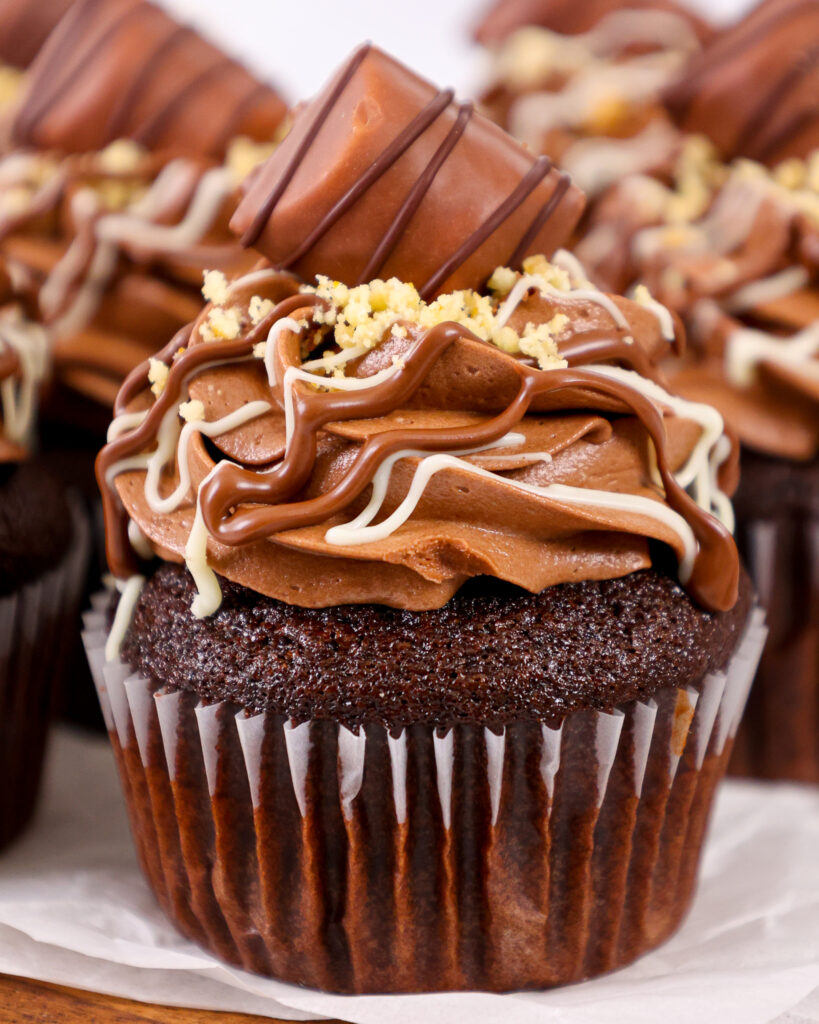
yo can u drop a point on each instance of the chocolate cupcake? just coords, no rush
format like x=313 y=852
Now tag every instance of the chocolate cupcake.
x=584 y=83
x=438 y=662
x=43 y=547
x=733 y=249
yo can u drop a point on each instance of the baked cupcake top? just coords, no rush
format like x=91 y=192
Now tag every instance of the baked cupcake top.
x=125 y=69
x=328 y=443
x=753 y=88
x=735 y=250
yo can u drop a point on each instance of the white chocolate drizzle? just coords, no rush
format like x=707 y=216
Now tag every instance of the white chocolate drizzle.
x=746 y=348
x=18 y=393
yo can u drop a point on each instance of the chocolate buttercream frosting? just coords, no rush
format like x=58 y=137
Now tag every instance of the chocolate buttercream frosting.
x=733 y=250
x=378 y=157
x=124 y=69
x=360 y=445
x=754 y=88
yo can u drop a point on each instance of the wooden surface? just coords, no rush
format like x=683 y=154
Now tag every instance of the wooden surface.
x=35 y=1002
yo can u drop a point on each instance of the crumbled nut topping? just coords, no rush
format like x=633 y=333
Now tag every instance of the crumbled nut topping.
x=244 y=155
x=121 y=157
x=222 y=324
x=215 y=287
x=192 y=411
x=157 y=375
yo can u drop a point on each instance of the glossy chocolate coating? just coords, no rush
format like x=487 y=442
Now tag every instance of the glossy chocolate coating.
x=755 y=90
x=382 y=175
x=24 y=27
x=123 y=68
x=567 y=16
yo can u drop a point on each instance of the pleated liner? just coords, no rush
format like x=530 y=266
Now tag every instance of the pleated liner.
x=458 y=859
x=779 y=738
x=38 y=626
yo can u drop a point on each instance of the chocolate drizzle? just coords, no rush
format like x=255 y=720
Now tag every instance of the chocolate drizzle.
x=541 y=167
x=241 y=505
x=380 y=166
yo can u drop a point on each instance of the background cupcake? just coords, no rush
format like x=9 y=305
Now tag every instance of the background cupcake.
x=412 y=643
x=732 y=248
x=116 y=189
x=43 y=548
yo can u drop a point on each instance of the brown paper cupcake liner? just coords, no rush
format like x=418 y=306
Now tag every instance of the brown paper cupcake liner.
x=426 y=859
x=38 y=624
x=779 y=738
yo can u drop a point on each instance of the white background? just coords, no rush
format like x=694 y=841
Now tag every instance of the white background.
x=297 y=43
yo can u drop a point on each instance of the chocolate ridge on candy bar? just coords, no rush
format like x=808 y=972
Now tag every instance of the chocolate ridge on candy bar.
x=383 y=175
x=753 y=90
x=24 y=27
x=124 y=68
x=569 y=17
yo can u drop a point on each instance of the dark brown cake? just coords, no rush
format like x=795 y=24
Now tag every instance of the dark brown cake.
x=600 y=644
x=42 y=560
x=426 y=708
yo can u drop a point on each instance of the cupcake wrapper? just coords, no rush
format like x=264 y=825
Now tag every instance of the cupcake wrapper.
x=428 y=859
x=779 y=738
x=37 y=629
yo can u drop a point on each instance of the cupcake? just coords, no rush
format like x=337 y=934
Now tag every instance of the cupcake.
x=43 y=547
x=431 y=636
x=733 y=249
x=584 y=83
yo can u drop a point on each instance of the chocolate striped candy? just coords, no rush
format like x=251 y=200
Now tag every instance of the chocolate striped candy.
x=384 y=175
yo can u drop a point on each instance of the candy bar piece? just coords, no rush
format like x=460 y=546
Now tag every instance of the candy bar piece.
x=568 y=17
x=755 y=89
x=382 y=175
x=24 y=27
x=123 y=68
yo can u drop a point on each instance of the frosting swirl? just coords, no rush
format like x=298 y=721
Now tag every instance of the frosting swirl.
x=328 y=445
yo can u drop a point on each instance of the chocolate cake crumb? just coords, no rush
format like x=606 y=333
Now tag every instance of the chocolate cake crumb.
x=493 y=654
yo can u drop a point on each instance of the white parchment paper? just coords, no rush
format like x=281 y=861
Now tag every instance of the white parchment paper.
x=75 y=910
